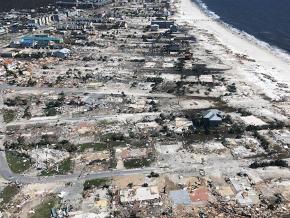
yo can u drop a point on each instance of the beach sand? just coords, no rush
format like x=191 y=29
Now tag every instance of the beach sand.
x=234 y=41
x=262 y=77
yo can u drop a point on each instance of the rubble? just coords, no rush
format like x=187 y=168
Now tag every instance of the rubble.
x=122 y=109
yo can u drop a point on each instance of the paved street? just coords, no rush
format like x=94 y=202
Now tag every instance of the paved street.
x=86 y=90
x=67 y=119
x=72 y=177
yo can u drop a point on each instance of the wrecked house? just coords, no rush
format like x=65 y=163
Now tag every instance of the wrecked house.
x=62 y=53
x=245 y=194
x=174 y=47
x=139 y=194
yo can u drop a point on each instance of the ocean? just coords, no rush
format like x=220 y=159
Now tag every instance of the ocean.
x=6 y=5
x=266 y=20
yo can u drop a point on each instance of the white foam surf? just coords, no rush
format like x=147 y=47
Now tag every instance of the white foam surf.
x=271 y=48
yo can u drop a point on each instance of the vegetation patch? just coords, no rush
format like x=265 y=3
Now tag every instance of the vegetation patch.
x=95 y=146
x=106 y=122
x=67 y=146
x=279 y=163
x=18 y=162
x=113 y=160
x=9 y=115
x=88 y=184
x=50 y=112
x=7 y=194
x=137 y=163
x=139 y=143
x=113 y=137
x=61 y=168
x=43 y=209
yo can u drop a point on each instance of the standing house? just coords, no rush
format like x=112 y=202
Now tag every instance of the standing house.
x=212 y=117
x=41 y=40
x=27 y=43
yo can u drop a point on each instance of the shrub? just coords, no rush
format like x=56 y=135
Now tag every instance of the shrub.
x=95 y=183
x=279 y=163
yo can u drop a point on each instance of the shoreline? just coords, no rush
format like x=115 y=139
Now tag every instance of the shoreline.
x=190 y=12
x=273 y=49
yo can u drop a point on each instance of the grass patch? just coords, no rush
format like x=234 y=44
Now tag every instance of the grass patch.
x=95 y=146
x=18 y=162
x=117 y=144
x=67 y=146
x=137 y=163
x=43 y=209
x=7 y=194
x=9 y=115
x=106 y=122
x=139 y=143
x=88 y=184
x=112 y=161
x=49 y=112
x=64 y=167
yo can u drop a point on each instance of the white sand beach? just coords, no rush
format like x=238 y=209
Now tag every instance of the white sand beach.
x=262 y=77
x=236 y=43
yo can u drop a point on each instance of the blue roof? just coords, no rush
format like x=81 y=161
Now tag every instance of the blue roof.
x=41 y=38
x=27 y=42
x=212 y=114
x=180 y=197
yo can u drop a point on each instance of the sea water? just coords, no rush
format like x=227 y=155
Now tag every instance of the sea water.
x=268 y=21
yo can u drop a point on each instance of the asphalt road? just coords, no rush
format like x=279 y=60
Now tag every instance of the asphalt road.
x=67 y=119
x=6 y=173
x=100 y=93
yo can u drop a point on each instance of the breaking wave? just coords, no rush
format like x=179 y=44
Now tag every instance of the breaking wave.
x=204 y=7
x=271 y=48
